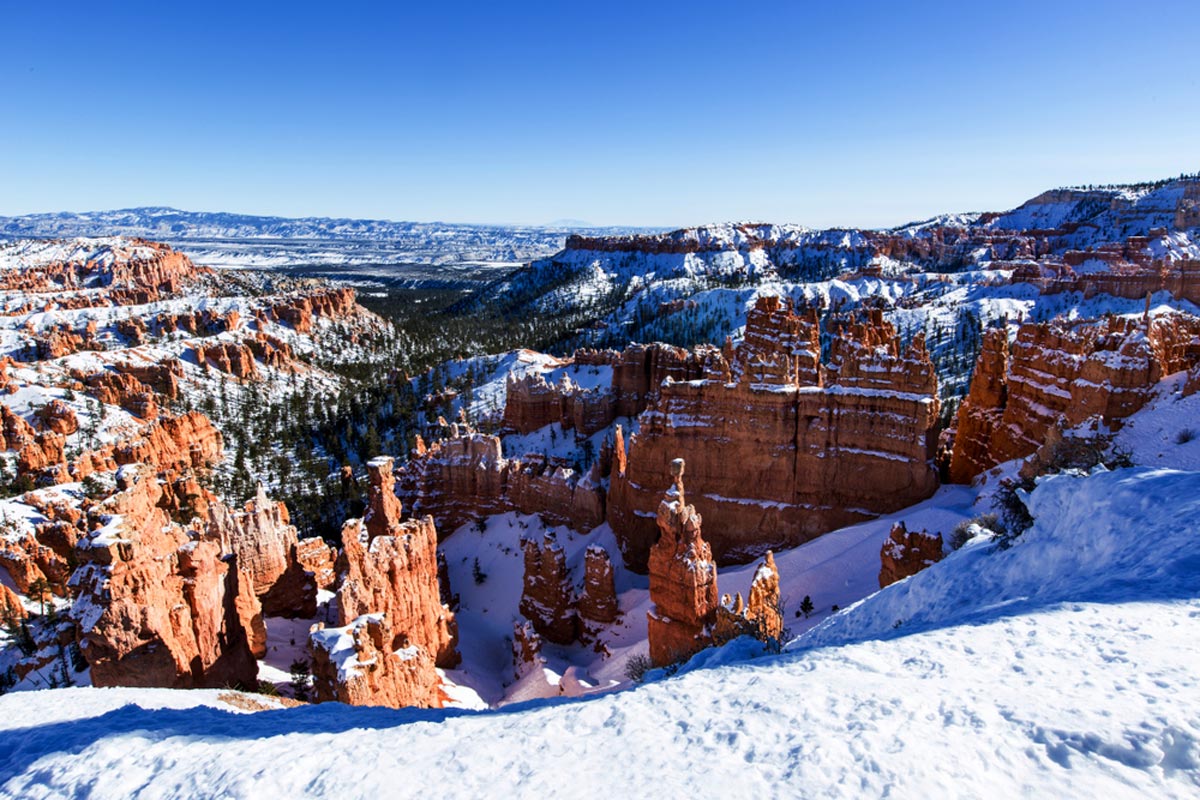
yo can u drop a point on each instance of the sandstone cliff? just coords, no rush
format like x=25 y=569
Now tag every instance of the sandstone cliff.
x=1063 y=373
x=781 y=447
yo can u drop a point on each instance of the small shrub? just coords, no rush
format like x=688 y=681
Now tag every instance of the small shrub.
x=1014 y=515
x=96 y=488
x=78 y=661
x=806 y=606
x=301 y=680
x=969 y=528
x=478 y=574
x=636 y=667
x=1185 y=435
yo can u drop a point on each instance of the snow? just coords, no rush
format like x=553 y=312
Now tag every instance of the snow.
x=1166 y=432
x=1061 y=667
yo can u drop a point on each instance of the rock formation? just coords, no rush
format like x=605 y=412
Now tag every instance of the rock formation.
x=532 y=403
x=393 y=627
x=360 y=664
x=547 y=596
x=598 y=601
x=906 y=553
x=1063 y=373
x=266 y=548
x=683 y=580
x=527 y=649
x=158 y=604
x=761 y=617
x=782 y=447
x=466 y=477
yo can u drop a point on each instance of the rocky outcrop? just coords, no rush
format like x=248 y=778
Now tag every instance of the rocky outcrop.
x=527 y=649
x=554 y=491
x=683 y=580
x=641 y=370
x=982 y=410
x=547 y=595
x=298 y=312
x=232 y=358
x=15 y=432
x=266 y=547
x=532 y=403
x=393 y=627
x=906 y=553
x=360 y=665
x=781 y=447
x=187 y=441
x=124 y=390
x=1061 y=374
x=457 y=480
x=465 y=477
x=158 y=604
x=760 y=617
x=58 y=417
x=318 y=559
x=598 y=601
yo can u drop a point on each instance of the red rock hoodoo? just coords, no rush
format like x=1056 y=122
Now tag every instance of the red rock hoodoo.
x=598 y=601
x=683 y=580
x=394 y=628
x=266 y=548
x=547 y=596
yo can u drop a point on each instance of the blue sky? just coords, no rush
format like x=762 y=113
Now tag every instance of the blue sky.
x=616 y=113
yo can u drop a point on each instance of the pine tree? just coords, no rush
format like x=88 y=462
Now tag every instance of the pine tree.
x=806 y=606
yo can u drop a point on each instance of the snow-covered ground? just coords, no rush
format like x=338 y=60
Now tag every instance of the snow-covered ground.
x=1061 y=667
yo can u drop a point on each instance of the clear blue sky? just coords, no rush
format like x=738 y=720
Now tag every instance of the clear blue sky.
x=831 y=113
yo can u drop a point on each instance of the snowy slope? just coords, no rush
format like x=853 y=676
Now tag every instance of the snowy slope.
x=1062 y=667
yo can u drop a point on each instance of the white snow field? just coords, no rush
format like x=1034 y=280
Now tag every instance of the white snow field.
x=1064 y=666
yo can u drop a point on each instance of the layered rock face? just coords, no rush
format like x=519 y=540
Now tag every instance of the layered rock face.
x=298 y=312
x=266 y=546
x=1063 y=373
x=547 y=595
x=465 y=477
x=393 y=627
x=683 y=580
x=783 y=448
x=906 y=553
x=641 y=370
x=1128 y=272
x=532 y=403
x=158 y=604
x=456 y=480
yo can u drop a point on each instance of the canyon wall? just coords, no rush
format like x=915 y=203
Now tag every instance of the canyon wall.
x=783 y=448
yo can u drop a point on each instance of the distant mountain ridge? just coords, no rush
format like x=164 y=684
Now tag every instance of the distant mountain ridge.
x=334 y=245
x=164 y=221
